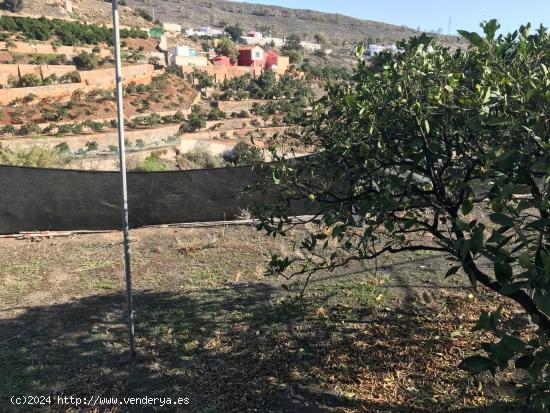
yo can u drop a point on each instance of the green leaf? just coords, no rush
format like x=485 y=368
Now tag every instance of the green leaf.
x=503 y=272
x=501 y=219
x=542 y=302
x=525 y=261
x=452 y=271
x=467 y=206
x=490 y=28
x=525 y=362
x=474 y=38
x=427 y=126
x=478 y=364
x=513 y=343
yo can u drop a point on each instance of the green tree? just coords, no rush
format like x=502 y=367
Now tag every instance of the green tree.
x=85 y=61
x=195 y=121
x=235 y=32
x=14 y=5
x=294 y=56
x=29 y=80
x=293 y=42
x=91 y=146
x=227 y=47
x=245 y=154
x=428 y=134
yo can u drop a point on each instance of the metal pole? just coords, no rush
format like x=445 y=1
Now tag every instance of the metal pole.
x=122 y=157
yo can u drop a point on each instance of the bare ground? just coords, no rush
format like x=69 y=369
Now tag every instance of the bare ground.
x=211 y=327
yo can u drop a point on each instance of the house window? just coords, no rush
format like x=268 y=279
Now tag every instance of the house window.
x=257 y=55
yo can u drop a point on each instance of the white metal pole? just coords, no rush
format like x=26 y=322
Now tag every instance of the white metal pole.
x=122 y=157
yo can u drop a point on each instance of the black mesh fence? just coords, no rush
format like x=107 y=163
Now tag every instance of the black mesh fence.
x=33 y=199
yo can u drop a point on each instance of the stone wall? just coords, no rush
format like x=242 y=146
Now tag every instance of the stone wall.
x=92 y=79
x=231 y=133
x=158 y=136
x=221 y=73
x=105 y=78
x=230 y=106
x=103 y=139
x=7 y=71
x=42 y=71
x=63 y=91
x=47 y=48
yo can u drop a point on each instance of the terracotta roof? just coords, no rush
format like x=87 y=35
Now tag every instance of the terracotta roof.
x=248 y=47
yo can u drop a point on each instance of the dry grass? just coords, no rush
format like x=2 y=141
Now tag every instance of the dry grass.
x=212 y=328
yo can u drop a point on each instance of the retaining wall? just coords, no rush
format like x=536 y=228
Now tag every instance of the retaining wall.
x=58 y=91
x=42 y=71
x=47 y=48
x=230 y=106
x=92 y=79
x=148 y=136
x=103 y=139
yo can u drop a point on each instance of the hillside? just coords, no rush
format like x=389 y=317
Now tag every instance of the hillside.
x=88 y=11
x=285 y=21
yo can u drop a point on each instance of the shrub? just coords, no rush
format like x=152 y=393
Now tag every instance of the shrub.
x=140 y=144
x=62 y=147
x=9 y=130
x=144 y=13
x=91 y=146
x=13 y=5
x=245 y=154
x=199 y=157
x=37 y=157
x=64 y=128
x=51 y=79
x=85 y=61
x=71 y=77
x=195 y=121
x=29 y=80
x=67 y=32
x=216 y=114
x=153 y=163
x=29 y=129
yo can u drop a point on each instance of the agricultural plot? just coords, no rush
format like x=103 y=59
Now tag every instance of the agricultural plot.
x=211 y=327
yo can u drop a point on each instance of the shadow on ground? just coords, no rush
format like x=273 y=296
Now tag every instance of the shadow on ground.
x=229 y=349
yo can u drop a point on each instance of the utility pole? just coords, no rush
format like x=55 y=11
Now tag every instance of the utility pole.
x=122 y=157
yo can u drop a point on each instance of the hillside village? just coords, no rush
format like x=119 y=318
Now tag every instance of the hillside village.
x=56 y=73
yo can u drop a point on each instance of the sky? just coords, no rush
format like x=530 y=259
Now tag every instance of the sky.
x=432 y=14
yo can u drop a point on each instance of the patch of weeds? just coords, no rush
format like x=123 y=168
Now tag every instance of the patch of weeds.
x=211 y=277
x=105 y=284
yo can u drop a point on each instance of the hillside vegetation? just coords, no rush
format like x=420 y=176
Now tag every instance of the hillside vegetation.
x=284 y=21
x=89 y=11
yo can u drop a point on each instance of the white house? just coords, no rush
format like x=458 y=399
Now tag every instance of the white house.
x=375 y=49
x=171 y=27
x=263 y=41
x=188 y=56
x=310 y=46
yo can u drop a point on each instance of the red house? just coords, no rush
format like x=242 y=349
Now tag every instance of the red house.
x=271 y=59
x=251 y=56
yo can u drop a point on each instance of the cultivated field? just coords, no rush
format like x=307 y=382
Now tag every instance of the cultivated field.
x=211 y=327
